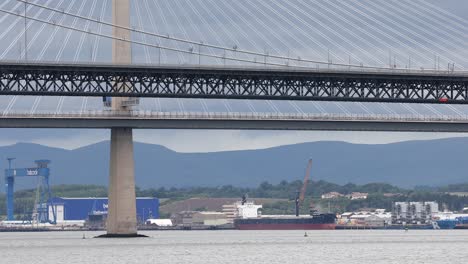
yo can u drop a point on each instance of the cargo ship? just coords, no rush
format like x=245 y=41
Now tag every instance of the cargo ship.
x=446 y=223
x=462 y=223
x=452 y=221
x=286 y=222
x=248 y=218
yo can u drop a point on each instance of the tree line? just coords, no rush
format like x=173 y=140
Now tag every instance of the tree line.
x=24 y=199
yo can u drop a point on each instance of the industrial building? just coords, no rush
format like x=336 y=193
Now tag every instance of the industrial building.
x=414 y=212
x=194 y=218
x=78 y=209
x=377 y=218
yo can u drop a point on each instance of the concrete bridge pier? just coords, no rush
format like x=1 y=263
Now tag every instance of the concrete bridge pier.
x=121 y=218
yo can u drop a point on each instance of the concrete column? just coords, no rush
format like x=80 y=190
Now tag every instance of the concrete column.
x=121 y=50
x=121 y=218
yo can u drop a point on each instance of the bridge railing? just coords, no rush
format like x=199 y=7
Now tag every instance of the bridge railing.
x=98 y=114
x=287 y=68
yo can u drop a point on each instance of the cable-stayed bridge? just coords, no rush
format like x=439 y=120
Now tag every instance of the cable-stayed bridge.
x=373 y=56
x=364 y=36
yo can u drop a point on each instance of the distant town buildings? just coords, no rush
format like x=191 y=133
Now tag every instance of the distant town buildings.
x=358 y=196
x=392 y=194
x=332 y=195
x=352 y=196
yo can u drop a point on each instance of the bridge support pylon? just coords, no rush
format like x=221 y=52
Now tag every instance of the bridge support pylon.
x=121 y=218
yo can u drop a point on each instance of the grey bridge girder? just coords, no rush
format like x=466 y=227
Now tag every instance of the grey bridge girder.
x=233 y=124
x=232 y=83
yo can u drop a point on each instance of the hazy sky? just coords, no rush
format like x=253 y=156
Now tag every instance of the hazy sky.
x=201 y=141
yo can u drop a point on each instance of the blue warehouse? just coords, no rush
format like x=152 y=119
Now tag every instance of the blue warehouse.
x=75 y=209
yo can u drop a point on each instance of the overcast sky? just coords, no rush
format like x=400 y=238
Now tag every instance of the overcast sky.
x=202 y=141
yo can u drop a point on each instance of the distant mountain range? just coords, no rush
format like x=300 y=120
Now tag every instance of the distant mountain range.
x=405 y=164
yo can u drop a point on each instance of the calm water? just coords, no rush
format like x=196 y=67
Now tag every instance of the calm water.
x=353 y=246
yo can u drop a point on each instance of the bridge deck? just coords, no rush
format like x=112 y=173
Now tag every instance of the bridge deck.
x=46 y=79
x=245 y=121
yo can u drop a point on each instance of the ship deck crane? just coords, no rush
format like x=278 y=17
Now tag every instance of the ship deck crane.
x=300 y=196
x=41 y=209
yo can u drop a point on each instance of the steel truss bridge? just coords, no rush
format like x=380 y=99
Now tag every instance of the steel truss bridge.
x=48 y=79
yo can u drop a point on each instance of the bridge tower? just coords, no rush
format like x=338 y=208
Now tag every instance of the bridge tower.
x=121 y=220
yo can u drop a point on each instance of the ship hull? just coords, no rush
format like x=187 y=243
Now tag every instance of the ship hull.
x=314 y=222
x=286 y=226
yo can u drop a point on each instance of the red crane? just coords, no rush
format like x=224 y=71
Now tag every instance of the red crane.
x=300 y=197
x=305 y=182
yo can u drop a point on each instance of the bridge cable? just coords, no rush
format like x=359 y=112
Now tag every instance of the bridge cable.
x=142 y=36
x=348 y=16
x=432 y=21
x=437 y=11
x=83 y=36
x=14 y=99
x=10 y=105
x=198 y=43
x=153 y=25
x=455 y=110
x=78 y=49
x=433 y=110
x=19 y=36
x=196 y=28
x=165 y=22
x=394 y=28
x=410 y=109
x=305 y=34
x=325 y=26
x=245 y=11
x=390 y=29
x=162 y=47
x=388 y=109
x=415 y=25
x=281 y=65
x=54 y=33
x=173 y=38
x=11 y=25
x=333 y=19
x=267 y=47
x=344 y=109
x=275 y=23
x=38 y=33
x=95 y=50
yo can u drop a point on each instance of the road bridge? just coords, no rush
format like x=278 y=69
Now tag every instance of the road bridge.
x=238 y=121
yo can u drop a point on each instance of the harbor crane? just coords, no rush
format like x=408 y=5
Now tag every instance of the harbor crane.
x=43 y=193
x=300 y=196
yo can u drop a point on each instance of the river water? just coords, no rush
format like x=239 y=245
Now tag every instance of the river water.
x=339 y=246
